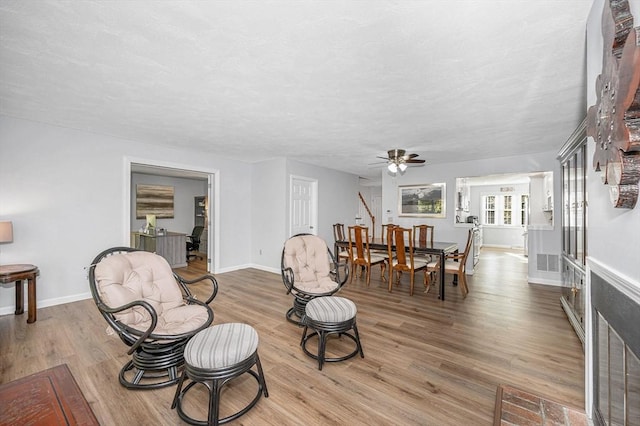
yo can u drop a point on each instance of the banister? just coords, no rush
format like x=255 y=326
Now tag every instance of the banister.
x=371 y=216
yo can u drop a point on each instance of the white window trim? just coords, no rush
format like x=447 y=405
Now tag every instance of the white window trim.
x=499 y=209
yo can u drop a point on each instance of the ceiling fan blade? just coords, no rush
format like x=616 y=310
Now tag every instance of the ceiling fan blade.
x=414 y=161
x=409 y=156
x=384 y=158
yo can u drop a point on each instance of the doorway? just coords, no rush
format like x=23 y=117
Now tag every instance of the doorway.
x=210 y=179
x=303 y=202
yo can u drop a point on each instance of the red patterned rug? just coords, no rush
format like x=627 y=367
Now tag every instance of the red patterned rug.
x=50 y=397
x=521 y=408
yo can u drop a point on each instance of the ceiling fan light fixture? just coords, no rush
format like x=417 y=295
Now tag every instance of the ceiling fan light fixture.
x=392 y=167
x=402 y=167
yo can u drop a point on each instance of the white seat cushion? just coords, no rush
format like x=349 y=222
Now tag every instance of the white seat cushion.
x=221 y=346
x=331 y=309
x=375 y=257
x=450 y=266
x=417 y=263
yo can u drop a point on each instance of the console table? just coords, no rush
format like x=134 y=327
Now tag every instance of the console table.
x=18 y=273
x=170 y=245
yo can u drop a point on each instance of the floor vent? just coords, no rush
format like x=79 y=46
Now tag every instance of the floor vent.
x=548 y=262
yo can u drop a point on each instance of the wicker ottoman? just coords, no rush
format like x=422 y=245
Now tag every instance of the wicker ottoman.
x=326 y=316
x=214 y=357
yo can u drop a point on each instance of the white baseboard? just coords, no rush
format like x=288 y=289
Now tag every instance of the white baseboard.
x=249 y=265
x=544 y=281
x=48 y=302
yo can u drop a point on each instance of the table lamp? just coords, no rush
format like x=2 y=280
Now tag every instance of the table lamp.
x=6 y=232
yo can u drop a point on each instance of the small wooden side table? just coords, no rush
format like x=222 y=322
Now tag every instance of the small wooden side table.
x=18 y=273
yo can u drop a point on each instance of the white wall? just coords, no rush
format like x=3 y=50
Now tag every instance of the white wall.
x=337 y=196
x=446 y=230
x=337 y=202
x=269 y=212
x=613 y=234
x=64 y=190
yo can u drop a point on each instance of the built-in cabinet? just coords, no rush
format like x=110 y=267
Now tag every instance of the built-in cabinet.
x=573 y=159
x=200 y=219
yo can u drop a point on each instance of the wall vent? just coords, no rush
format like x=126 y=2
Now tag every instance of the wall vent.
x=548 y=262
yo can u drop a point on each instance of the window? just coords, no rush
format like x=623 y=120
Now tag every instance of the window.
x=524 y=210
x=506 y=212
x=490 y=210
x=500 y=209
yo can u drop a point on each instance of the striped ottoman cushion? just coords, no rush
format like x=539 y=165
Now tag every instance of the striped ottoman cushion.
x=331 y=309
x=221 y=346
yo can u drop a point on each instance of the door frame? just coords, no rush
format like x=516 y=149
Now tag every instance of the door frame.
x=212 y=176
x=314 y=202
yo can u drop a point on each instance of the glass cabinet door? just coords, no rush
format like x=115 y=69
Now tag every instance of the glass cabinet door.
x=580 y=205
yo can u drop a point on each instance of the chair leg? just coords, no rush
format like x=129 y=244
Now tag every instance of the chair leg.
x=463 y=285
x=357 y=335
x=368 y=275
x=322 y=346
x=411 y=275
x=426 y=281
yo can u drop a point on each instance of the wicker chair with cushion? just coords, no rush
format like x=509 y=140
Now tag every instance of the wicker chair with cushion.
x=151 y=309
x=309 y=270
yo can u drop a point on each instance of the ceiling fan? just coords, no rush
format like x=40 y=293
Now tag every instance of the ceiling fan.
x=398 y=159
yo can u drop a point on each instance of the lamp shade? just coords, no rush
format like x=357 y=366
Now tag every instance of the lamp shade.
x=6 y=232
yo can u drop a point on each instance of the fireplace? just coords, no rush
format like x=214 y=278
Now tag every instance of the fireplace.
x=615 y=351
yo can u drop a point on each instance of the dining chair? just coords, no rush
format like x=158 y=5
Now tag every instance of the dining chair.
x=403 y=259
x=423 y=235
x=338 y=235
x=361 y=255
x=386 y=234
x=455 y=264
x=385 y=231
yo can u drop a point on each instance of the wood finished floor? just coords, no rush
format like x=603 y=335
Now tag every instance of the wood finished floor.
x=427 y=362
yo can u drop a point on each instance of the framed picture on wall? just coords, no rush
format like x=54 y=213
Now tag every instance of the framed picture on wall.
x=427 y=200
x=154 y=200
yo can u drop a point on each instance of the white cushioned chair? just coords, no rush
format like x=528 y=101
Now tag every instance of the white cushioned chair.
x=309 y=270
x=151 y=309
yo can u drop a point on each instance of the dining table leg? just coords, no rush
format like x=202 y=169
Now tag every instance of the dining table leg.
x=441 y=295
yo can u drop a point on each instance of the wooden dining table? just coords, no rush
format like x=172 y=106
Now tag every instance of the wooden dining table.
x=437 y=248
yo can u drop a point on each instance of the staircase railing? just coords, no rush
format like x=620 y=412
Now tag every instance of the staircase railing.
x=371 y=216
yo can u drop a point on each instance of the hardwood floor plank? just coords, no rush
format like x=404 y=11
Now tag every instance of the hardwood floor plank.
x=427 y=362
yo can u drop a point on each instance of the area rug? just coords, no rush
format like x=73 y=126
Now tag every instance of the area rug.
x=517 y=407
x=50 y=397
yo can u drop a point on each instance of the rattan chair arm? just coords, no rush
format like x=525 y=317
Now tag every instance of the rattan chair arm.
x=288 y=278
x=345 y=275
x=146 y=305
x=189 y=296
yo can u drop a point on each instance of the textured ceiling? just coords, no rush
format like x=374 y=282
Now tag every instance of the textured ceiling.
x=331 y=83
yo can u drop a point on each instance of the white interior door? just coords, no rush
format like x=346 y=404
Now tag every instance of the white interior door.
x=303 y=203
